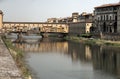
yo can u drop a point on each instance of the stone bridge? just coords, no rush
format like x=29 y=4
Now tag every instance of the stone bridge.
x=36 y=26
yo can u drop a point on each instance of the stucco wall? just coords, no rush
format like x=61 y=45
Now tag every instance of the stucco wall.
x=79 y=28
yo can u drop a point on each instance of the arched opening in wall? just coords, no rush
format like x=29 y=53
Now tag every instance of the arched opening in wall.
x=39 y=29
x=116 y=17
x=104 y=27
x=15 y=28
x=92 y=29
x=107 y=29
x=115 y=27
x=110 y=29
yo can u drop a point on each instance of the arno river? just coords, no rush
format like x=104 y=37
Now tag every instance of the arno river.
x=59 y=59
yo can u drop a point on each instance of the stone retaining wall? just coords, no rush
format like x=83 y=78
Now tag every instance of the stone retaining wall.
x=8 y=68
x=113 y=37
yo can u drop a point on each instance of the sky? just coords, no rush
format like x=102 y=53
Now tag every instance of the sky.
x=40 y=10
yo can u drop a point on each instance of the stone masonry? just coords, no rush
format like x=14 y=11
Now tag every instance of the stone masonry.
x=8 y=68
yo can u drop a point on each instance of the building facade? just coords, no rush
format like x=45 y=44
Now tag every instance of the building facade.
x=1 y=19
x=107 y=18
x=85 y=17
x=52 y=20
x=73 y=18
x=79 y=28
x=76 y=17
x=81 y=24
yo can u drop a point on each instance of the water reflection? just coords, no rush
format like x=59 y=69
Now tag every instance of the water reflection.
x=79 y=51
x=45 y=45
x=106 y=58
x=103 y=59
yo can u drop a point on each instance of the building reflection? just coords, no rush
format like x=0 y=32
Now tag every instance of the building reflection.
x=102 y=57
x=79 y=51
x=75 y=50
x=44 y=47
x=106 y=58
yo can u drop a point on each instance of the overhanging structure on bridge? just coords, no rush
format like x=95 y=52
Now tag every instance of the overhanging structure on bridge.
x=38 y=26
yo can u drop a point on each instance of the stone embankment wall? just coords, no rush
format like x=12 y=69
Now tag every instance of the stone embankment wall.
x=113 y=37
x=8 y=68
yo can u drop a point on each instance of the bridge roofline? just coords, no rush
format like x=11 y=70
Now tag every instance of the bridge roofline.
x=31 y=23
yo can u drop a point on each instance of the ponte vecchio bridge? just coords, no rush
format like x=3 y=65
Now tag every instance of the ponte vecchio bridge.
x=36 y=26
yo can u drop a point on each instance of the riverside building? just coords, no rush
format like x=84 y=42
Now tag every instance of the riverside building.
x=82 y=25
x=107 y=20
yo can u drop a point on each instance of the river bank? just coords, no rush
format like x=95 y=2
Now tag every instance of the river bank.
x=18 y=57
x=92 y=41
x=8 y=68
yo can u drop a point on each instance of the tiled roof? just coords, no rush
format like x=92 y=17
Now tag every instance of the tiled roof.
x=108 y=5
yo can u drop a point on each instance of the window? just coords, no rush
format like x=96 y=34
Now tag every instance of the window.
x=101 y=17
x=115 y=8
x=98 y=18
x=106 y=17
x=104 y=27
x=110 y=17
x=116 y=17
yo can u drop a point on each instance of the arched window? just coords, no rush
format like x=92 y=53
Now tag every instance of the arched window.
x=104 y=27
x=106 y=17
x=101 y=18
x=116 y=17
x=110 y=17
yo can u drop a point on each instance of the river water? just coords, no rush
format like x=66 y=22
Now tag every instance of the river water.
x=59 y=59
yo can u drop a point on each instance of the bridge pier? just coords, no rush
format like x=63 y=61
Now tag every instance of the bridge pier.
x=19 y=38
x=53 y=34
x=44 y=35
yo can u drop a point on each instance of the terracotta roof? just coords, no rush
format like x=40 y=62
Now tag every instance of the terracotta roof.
x=108 y=5
x=1 y=12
